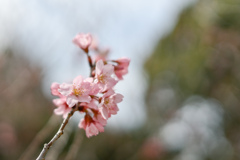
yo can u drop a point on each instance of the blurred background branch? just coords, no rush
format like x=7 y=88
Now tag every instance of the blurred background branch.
x=39 y=139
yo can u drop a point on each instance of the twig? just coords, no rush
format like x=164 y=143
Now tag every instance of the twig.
x=90 y=64
x=56 y=136
x=60 y=144
x=47 y=146
x=42 y=134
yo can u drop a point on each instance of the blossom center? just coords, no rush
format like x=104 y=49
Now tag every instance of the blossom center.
x=78 y=91
x=106 y=101
x=102 y=78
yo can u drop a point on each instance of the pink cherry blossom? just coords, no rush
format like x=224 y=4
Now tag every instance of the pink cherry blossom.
x=92 y=127
x=101 y=55
x=63 y=108
x=92 y=105
x=94 y=44
x=108 y=105
x=94 y=86
x=104 y=76
x=99 y=118
x=98 y=57
x=93 y=96
x=54 y=89
x=76 y=92
x=83 y=41
x=122 y=67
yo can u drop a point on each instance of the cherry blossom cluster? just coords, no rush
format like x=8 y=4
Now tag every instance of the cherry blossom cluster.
x=93 y=96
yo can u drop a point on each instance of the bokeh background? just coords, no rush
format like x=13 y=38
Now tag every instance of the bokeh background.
x=181 y=96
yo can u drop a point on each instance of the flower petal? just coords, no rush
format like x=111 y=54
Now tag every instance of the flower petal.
x=77 y=81
x=65 y=89
x=99 y=67
x=104 y=112
x=71 y=101
x=83 y=98
x=99 y=127
x=91 y=130
x=118 y=98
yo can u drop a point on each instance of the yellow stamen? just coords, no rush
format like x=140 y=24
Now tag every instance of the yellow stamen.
x=106 y=101
x=101 y=78
x=78 y=92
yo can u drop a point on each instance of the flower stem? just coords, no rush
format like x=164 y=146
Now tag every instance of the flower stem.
x=90 y=65
x=56 y=136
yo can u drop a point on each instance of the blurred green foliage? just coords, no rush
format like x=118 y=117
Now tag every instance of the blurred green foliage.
x=199 y=54
x=201 y=57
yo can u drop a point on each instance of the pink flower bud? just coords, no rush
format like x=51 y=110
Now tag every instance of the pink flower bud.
x=102 y=55
x=54 y=89
x=63 y=108
x=103 y=76
x=91 y=126
x=83 y=41
x=122 y=67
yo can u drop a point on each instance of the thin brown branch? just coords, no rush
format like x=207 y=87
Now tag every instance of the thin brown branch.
x=47 y=146
x=90 y=64
x=60 y=144
x=39 y=138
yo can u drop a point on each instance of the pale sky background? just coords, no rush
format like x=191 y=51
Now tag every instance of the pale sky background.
x=44 y=29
